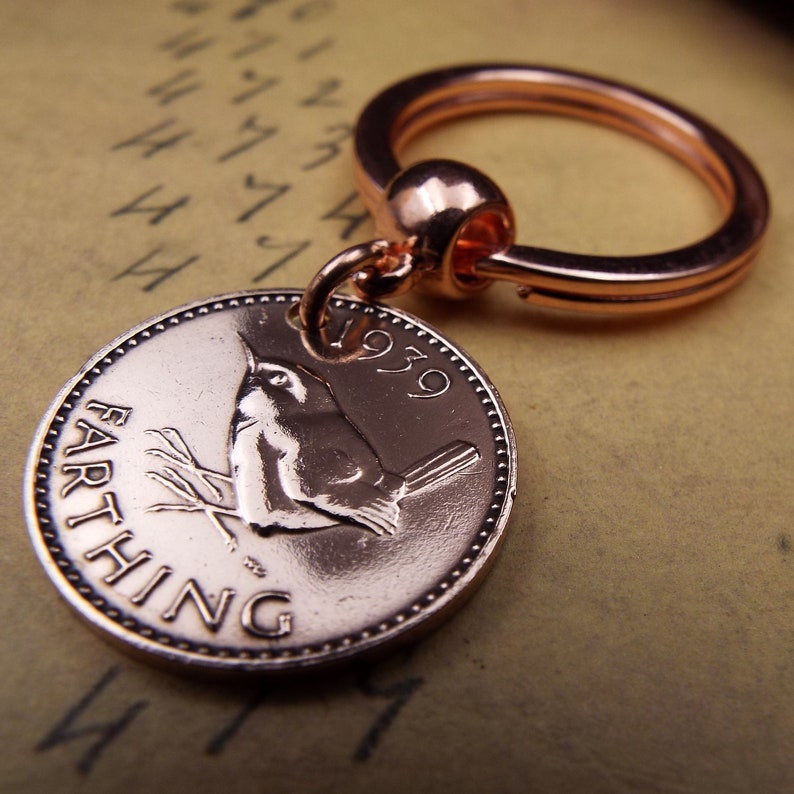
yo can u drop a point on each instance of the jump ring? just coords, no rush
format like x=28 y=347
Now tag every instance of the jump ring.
x=336 y=272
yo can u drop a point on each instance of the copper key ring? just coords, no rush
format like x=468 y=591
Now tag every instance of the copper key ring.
x=477 y=248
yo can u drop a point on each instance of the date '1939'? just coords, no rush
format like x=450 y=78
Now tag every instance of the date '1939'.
x=378 y=343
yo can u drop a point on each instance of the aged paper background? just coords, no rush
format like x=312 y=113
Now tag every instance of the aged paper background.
x=636 y=632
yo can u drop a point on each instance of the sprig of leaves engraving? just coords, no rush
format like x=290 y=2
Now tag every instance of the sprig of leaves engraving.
x=188 y=488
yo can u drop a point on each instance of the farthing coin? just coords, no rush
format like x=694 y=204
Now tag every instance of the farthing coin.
x=210 y=490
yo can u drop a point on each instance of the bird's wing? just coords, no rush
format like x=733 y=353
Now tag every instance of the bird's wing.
x=327 y=468
x=359 y=503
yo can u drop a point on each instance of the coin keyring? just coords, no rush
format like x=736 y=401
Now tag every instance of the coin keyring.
x=281 y=479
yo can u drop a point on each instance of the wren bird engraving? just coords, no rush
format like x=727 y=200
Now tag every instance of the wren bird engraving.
x=298 y=462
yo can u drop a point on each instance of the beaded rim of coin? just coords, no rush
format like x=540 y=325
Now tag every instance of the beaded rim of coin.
x=97 y=604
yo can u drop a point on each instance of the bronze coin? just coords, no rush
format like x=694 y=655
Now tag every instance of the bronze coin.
x=210 y=490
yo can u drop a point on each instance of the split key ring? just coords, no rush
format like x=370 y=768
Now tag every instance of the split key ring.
x=458 y=225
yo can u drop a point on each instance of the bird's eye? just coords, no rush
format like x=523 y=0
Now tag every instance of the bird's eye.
x=278 y=379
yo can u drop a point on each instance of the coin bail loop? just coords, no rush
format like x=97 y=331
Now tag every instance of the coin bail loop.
x=314 y=301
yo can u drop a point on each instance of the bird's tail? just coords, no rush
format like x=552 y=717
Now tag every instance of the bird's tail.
x=439 y=465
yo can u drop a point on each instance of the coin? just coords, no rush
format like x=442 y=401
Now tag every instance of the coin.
x=210 y=490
